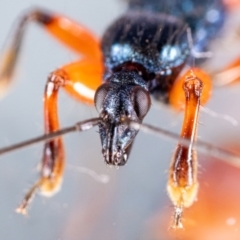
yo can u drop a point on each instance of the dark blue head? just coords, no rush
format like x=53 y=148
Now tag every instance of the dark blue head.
x=124 y=96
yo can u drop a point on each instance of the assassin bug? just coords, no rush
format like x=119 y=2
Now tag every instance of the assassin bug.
x=139 y=60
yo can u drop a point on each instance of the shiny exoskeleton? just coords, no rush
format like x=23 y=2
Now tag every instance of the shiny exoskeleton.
x=147 y=51
x=144 y=52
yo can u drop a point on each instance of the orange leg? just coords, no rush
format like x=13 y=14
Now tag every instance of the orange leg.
x=70 y=33
x=80 y=79
x=72 y=78
x=182 y=184
x=229 y=75
x=231 y=5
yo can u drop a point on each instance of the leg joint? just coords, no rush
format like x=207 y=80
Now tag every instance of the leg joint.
x=58 y=78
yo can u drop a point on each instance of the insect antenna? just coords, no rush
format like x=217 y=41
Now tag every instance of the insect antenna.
x=79 y=126
x=227 y=156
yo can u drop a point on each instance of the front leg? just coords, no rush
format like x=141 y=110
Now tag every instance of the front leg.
x=183 y=184
x=53 y=153
x=73 y=78
x=52 y=165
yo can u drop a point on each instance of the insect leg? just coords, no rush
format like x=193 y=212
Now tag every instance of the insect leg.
x=73 y=78
x=177 y=97
x=229 y=75
x=72 y=34
x=182 y=184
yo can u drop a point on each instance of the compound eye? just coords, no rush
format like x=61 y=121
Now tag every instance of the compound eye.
x=141 y=101
x=100 y=95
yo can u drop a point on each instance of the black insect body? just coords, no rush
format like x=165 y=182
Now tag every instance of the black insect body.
x=142 y=54
x=151 y=45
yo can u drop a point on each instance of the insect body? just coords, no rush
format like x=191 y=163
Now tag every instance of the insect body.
x=141 y=54
x=138 y=62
